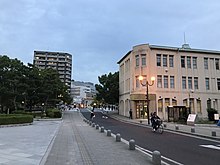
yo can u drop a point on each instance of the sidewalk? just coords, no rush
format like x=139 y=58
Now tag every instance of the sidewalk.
x=203 y=130
x=79 y=143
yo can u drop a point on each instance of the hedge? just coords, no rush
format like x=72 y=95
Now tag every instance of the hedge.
x=15 y=119
x=54 y=113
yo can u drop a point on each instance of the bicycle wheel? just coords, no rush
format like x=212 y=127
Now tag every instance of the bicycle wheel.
x=160 y=129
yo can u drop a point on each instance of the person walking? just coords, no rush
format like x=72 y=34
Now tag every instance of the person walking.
x=130 y=114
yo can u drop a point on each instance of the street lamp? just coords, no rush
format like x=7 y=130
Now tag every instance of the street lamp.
x=147 y=84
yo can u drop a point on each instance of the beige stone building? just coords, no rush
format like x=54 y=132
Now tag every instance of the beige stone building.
x=186 y=81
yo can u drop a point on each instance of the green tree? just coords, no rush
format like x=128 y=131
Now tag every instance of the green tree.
x=108 y=89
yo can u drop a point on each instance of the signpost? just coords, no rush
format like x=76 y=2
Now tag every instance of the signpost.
x=191 y=119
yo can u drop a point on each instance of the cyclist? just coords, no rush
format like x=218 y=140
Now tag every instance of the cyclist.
x=155 y=120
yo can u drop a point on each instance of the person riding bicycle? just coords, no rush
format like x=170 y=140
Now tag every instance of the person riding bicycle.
x=155 y=120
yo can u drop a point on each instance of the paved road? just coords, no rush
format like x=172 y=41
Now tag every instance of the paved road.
x=182 y=149
x=77 y=143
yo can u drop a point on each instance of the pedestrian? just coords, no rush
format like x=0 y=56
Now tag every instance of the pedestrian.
x=130 y=114
x=92 y=115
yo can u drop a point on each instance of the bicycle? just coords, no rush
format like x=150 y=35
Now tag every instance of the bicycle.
x=159 y=126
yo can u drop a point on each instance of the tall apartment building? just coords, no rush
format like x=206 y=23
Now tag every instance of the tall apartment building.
x=185 y=79
x=62 y=62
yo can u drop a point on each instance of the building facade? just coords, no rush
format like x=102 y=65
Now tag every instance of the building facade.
x=83 y=93
x=185 y=79
x=62 y=62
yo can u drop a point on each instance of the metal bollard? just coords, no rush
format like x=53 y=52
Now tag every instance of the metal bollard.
x=156 y=158
x=176 y=127
x=93 y=124
x=102 y=129
x=193 y=130
x=213 y=133
x=97 y=126
x=109 y=133
x=118 y=137
x=131 y=144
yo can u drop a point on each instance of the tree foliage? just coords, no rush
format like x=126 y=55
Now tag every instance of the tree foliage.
x=108 y=89
x=27 y=86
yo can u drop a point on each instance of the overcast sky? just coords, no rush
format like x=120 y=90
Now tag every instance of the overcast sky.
x=98 y=33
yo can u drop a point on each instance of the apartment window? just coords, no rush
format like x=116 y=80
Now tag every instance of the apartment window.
x=188 y=62
x=194 y=62
x=207 y=83
x=172 y=83
x=171 y=64
x=165 y=80
x=183 y=82
x=217 y=64
x=158 y=59
x=196 y=83
x=189 y=82
x=159 y=81
x=183 y=61
x=218 y=83
x=165 y=60
x=137 y=60
x=143 y=59
x=206 y=63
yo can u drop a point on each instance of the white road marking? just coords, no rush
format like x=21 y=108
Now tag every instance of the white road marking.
x=211 y=146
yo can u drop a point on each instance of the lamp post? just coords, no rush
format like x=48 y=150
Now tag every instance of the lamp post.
x=147 y=84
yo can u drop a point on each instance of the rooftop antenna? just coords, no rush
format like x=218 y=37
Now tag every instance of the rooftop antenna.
x=184 y=38
x=185 y=45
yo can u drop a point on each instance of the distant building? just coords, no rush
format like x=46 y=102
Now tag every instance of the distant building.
x=62 y=62
x=185 y=79
x=82 y=92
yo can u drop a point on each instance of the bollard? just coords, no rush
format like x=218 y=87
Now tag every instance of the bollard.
x=97 y=126
x=213 y=133
x=132 y=144
x=109 y=133
x=193 y=130
x=90 y=123
x=102 y=129
x=118 y=137
x=177 y=127
x=156 y=158
x=93 y=124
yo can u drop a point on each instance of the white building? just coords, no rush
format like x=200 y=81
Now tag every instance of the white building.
x=82 y=92
x=186 y=79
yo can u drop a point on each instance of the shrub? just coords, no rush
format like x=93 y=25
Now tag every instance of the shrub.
x=53 y=113
x=15 y=119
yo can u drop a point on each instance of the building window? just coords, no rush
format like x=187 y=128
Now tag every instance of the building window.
x=189 y=82
x=217 y=64
x=183 y=82
x=137 y=60
x=172 y=82
x=160 y=105
x=143 y=59
x=196 y=83
x=159 y=81
x=165 y=60
x=218 y=83
x=194 y=62
x=137 y=82
x=165 y=80
x=206 y=63
x=183 y=61
x=171 y=64
x=188 y=62
x=158 y=59
x=207 y=83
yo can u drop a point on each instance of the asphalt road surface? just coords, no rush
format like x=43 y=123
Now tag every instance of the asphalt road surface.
x=174 y=148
